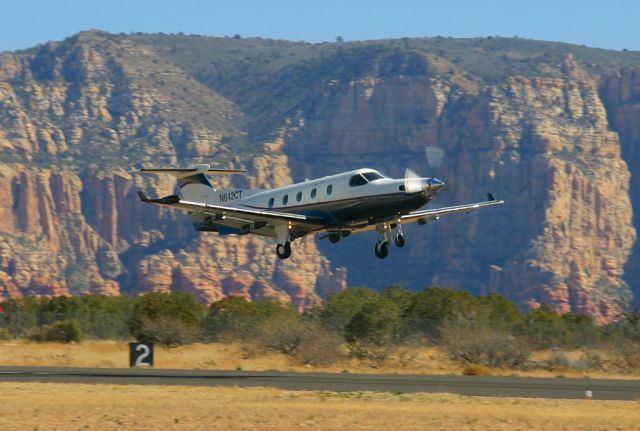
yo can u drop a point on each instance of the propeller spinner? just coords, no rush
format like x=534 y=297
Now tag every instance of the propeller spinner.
x=414 y=184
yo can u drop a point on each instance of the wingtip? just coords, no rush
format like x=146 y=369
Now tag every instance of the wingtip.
x=137 y=168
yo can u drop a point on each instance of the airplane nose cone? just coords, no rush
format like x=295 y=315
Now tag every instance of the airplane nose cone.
x=435 y=184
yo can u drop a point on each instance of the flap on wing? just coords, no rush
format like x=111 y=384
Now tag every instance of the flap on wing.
x=233 y=212
x=439 y=212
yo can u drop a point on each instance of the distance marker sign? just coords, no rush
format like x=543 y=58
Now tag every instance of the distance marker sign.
x=141 y=354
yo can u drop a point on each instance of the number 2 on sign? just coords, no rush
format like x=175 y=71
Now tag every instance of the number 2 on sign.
x=140 y=360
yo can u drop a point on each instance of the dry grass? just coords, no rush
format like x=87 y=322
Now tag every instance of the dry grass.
x=114 y=354
x=218 y=356
x=47 y=406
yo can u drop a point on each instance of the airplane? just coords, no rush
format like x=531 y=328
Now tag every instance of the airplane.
x=334 y=206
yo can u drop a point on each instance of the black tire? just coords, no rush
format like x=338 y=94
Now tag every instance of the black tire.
x=334 y=238
x=283 y=250
x=382 y=250
x=400 y=241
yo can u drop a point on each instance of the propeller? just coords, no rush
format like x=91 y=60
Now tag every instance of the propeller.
x=412 y=182
x=434 y=156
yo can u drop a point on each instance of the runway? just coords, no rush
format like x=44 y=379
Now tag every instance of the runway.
x=464 y=385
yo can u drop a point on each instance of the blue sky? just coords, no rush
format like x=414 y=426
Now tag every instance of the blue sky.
x=613 y=24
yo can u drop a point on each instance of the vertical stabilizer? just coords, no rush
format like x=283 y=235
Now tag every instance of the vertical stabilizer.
x=193 y=181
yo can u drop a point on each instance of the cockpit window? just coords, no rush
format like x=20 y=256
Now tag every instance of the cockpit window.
x=357 y=180
x=372 y=176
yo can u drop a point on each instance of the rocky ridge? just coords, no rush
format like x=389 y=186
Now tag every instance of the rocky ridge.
x=556 y=138
x=72 y=109
x=541 y=143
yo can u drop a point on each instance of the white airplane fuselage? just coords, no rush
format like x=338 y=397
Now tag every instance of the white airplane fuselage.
x=336 y=205
x=332 y=198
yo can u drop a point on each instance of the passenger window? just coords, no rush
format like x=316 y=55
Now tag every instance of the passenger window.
x=357 y=180
x=285 y=199
x=299 y=196
x=313 y=193
x=271 y=202
x=329 y=189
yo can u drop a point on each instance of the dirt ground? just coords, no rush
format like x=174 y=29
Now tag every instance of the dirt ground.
x=47 y=406
x=218 y=356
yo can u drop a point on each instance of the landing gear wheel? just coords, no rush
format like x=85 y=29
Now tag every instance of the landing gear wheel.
x=400 y=242
x=382 y=249
x=283 y=250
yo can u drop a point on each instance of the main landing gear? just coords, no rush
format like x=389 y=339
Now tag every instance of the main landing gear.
x=283 y=250
x=283 y=236
x=382 y=249
x=384 y=239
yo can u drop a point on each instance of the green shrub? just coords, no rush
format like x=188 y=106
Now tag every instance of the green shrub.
x=64 y=331
x=545 y=329
x=377 y=323
x=167 y=332
x=236 y=319
x=157 y=311
x=340 y=308
x=432 y=307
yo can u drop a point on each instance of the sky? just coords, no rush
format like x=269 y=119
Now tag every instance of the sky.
x=613 y=24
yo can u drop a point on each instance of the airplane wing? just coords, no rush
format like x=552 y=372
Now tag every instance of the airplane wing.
x=236 y=213
x=436 y=213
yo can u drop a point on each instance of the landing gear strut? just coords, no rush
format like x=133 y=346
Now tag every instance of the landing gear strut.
x=283 y=250
x=400 y=242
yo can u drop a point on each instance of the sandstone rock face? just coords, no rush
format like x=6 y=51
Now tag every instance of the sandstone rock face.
x=543 y=144
x=621 y=96
x=48 y=248
x=555 y=137
x=575 y=259
x=75 y=115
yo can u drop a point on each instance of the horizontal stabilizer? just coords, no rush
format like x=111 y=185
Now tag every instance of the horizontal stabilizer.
x=243 y=214
x=167 y=200
x=185 y=172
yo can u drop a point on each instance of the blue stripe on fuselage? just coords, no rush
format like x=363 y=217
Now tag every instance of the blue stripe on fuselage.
x=354 y=209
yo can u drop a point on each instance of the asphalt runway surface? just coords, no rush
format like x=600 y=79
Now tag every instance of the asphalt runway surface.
x=344 y=382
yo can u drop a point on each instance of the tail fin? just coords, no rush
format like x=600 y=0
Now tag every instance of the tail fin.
x=193 y=181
